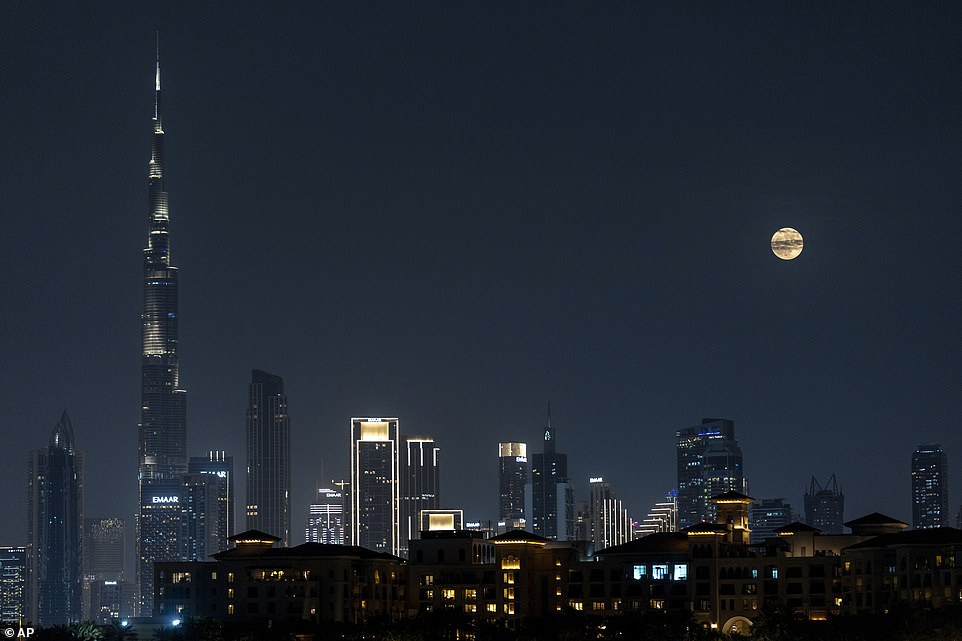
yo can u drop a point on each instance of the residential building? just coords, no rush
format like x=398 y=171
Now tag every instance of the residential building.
x=268 y=456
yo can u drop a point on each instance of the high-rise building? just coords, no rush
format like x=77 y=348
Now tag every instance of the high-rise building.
x=13 y=580
x=268 y=457
x=552 y=497
x=220 y=466
x=162 y=432
x=768 y=515
x=824 y=506
x=607 y=523
x=106 y=594
x=55 y=530
x=374 y=484
x=200 y=511
x=709 y=464
x=420 y=481
x=325 y=519
x=512 y=478
x=663 y=517
x=930 y=487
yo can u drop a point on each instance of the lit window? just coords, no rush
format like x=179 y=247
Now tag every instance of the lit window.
x=470 y=608
x=230 y=608
x=509 y=608
x=509 y=577
x=447 y=594
x=576 y=605
x=597 y=605
x=491 y=607
x=510 y=563
x=657 y=604
x=659 y=571
x=427 y=579
x=470 y=594
x=639 y=572
x=508 y=594
x=680 y=572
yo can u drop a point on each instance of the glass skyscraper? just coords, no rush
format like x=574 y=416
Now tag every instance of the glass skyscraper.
x=552 y=497
x=930 y=487
x=54 y=524
x=825 y=506
x=709 y=464
x=420 y=481
x=162 y=433
x=268 y=457
x=512 y=477
x=374 y=484
x=221 y=467
x=13 y=579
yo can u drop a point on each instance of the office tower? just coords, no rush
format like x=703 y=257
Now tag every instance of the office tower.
x=768 y=515
x=162 y=432
x=420 y=480
x=512 y=477
x=220 y=466
x=824 y=506
x=268 y=457
x=663 y=517
x=200 y=511
x=930 y=487
x=104 y=546
x=54 y=530
x=607 y=522
x=13 y=579
x=325 y=519
x=553 y=508
x=374 y=484
x=105 y=542
x=709 y=464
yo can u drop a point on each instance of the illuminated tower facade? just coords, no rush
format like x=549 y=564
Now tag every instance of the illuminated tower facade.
x=374 y=484
x=512 y=477
x=13 y=573
x=930 y=487
x=325 y=519
x=709 y=464
x=220 y=466
x=419 y=485
x=54 y=530
x=552 y=497
x=162 y=433
x=268 y=457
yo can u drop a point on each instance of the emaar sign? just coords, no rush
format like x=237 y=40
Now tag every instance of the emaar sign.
x=165 y=499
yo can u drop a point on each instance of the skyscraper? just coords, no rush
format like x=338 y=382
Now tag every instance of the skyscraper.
x=420 y=481
x=325 y=519
x=824 y=506
x=268 y=457
x=13 y=580
x=930 y=487
x=768 y=515
x=709 y=464
x=552 y=497
x=162 y=432
x=512 y=477
x=200 y=509
x=220 y=466
x=54 y=530
x=106 y=594
x=374 y=484
x=607 y=523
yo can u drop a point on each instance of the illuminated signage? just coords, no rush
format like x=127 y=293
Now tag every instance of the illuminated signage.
x=165 y=499
x=596 y=479
x=520 y=459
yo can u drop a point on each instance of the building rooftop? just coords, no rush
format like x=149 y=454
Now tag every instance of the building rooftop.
x=657 y=543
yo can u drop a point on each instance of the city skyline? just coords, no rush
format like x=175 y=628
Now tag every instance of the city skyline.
x=559 y=220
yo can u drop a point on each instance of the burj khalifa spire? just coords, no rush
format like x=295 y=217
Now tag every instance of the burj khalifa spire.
x=162 y=433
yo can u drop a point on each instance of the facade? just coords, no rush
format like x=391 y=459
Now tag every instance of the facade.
x=326 y=517
x=709 y=463
x=930 y=487
x=552 y=497
x=162 y=432
x=200 y=509
x=607 y=523
x=767 y=516
x=663 y=517
x=824 y=506
x=420 y=481
x=13 y=580
x=512 y=479
x=315 y=582
x=104 y=588
x=220 y=466
x=55 y=530
x=374 y=484
x=268 y=456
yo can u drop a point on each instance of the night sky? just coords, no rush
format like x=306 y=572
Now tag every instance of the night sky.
x=455 y=213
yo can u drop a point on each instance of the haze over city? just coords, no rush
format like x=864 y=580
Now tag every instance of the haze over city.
x=457 y=214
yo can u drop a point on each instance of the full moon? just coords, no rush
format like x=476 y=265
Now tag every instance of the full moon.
x=787 y=243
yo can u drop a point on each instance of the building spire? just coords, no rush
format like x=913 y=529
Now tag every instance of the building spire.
x=157 y=80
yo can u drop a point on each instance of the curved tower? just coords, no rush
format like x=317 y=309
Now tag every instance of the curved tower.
x=163 y=425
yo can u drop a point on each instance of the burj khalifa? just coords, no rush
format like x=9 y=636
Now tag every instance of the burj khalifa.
x=162 y=432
